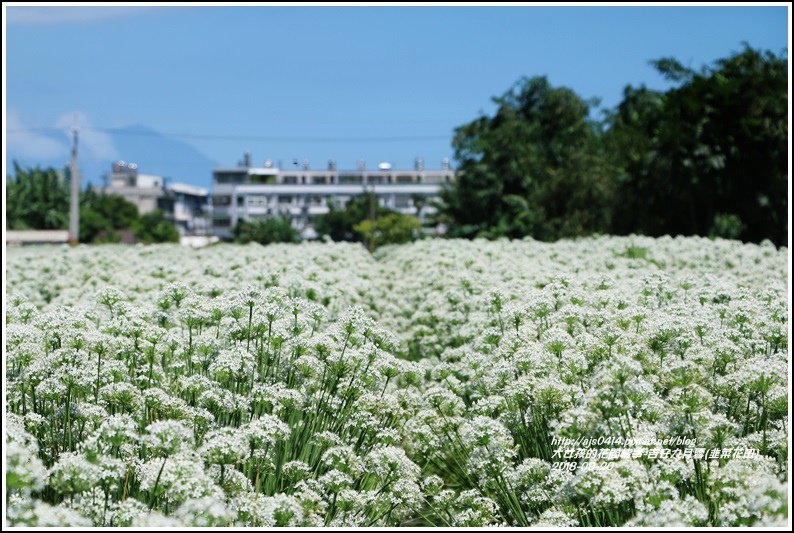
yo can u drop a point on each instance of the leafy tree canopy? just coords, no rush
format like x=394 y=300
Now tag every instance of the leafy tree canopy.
x=531 y=169
x=265 y=231
x=153 y=227
x=339 y=224
x=37 y=199
x=391 y=228
x=708 y=157
x=40 y=199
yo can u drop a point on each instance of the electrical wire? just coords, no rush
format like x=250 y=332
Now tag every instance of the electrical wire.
x=247 y=138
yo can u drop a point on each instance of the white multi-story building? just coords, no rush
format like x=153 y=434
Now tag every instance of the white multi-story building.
x=186 y=206
x=247 y=193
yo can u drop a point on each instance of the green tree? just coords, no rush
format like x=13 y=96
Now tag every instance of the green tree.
x=630 y=140
x=120 y=212
x=37 y=199
x=708 y=157
x=153 y=227
x=534 y=168
x=339 y=224
x=95 y=228
x=265 y=231
x=103 y=215
x=40 y=199
x=391 y=228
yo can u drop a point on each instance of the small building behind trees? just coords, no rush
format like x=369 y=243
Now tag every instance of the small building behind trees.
x=185 y=206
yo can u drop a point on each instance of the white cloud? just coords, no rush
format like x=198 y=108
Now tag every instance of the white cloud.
x=25 y=142
x=49 y=15
x=96 y=143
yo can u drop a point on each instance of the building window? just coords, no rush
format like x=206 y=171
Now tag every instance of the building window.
x=257 y=200
x=222 y=200
x=230 y=177
x=401 y=201
x=405 y=179
x=240 y=201
x=222 y=222
x=166 y=204
x=338 y=202
x=285 y=199
x=319 y=179
x=349 y=178
x=259 y=179
x=290 y=180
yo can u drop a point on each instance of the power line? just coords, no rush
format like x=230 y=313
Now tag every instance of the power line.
x=246 y=138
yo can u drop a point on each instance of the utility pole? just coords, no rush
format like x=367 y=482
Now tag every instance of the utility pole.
x=74 y=212
x=371 y=246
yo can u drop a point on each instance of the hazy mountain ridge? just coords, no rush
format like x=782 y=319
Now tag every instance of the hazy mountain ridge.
x=154 y=153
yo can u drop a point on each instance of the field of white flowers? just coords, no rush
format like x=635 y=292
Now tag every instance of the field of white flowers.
x=598 y=382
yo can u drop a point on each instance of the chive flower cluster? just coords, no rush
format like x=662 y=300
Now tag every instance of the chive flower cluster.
x=440 y=383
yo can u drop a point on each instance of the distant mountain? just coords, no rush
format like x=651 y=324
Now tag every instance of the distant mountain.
x=151 y=151
x=156 y=154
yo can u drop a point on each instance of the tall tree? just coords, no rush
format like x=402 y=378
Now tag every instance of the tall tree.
x=710 y=156
x=532 y=169
x=37 y=199
x=631 y=143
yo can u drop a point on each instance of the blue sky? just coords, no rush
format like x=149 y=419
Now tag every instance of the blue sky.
x=325 y=82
